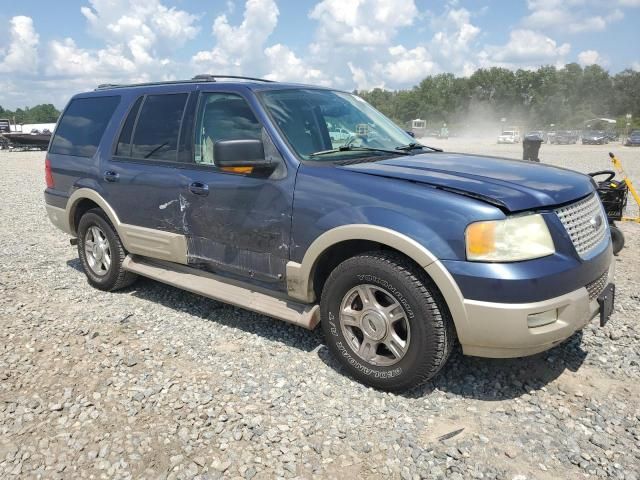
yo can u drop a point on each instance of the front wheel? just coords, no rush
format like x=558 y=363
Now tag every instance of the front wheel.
x=385 y=321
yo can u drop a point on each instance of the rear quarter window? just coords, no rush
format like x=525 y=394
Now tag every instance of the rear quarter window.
x=82 y=125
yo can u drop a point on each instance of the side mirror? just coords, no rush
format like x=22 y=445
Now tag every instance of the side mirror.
x=243 y=155
x=411 y=133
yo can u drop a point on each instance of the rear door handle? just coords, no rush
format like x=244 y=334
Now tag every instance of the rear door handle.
x=199 y=188
x=111 y=176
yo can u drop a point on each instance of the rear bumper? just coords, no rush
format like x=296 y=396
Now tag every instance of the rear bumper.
x=500 y=330
x=59 y=218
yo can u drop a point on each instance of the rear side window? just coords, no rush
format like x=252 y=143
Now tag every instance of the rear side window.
x=124 y=143
x=82 y=126
x=158 y=127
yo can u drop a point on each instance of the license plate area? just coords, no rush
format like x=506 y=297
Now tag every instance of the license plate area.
x=606 y=300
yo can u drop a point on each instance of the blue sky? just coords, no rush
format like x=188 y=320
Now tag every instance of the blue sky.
x=50 y=50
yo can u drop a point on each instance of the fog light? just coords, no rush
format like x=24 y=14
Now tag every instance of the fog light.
x=543 y=318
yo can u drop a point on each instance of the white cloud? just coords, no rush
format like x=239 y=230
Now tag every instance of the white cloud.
x=590 y=57
x=22 y=54
x=284 y=65
x=361 y=22
x=407 y=66
x=147 y=28
x=362 y=80
x=66 y=58
x=402 y=67
x=240 y=49
x=573 y=16
x=453 y=41
x=139 y=39
x=525 y=48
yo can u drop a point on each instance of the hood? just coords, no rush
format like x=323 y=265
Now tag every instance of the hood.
x=594 y=135
x=512 y=185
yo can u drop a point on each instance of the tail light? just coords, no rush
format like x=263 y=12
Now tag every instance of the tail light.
x=48 y=176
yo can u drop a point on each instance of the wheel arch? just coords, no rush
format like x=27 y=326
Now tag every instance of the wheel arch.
x=139 y=240
x=300 y=276
x=82 y=200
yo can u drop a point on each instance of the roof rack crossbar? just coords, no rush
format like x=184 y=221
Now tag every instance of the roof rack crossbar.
x=197 y=78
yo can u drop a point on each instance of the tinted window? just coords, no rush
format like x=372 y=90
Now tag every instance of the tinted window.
x=82 y=126
x=158 y=127
x=223 y=116
x=124 y=142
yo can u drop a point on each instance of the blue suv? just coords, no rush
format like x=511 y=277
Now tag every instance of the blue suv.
x=236 y=189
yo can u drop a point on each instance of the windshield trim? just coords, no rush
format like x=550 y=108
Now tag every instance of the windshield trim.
x=314 y=160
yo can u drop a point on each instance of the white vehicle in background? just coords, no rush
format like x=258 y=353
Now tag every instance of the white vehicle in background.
x=511 y=135
x=339 y=135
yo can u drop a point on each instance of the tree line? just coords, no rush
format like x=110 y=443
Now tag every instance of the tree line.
x=44 y=113
x=563 y=97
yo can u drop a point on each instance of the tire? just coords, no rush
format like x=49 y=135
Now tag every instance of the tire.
x=420 y=337
x=95 y=227
x=617 y=239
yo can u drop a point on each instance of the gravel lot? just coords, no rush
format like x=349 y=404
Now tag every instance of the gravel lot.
x=153 y=382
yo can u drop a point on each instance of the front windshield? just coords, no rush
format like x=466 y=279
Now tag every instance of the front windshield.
x=321 y=121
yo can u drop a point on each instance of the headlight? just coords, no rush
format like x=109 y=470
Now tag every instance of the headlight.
x=513 y=239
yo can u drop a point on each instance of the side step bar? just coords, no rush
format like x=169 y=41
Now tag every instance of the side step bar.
x=225 y=290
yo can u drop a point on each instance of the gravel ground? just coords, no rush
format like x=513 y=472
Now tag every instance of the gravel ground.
x=153 y=382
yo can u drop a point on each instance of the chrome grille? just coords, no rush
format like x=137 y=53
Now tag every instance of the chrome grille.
x=579 y=219
x=595 y=288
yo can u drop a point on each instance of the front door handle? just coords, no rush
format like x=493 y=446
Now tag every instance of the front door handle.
x=111 y=176
x=199 y=188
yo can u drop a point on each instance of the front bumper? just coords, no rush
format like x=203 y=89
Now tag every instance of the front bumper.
x=500 y=330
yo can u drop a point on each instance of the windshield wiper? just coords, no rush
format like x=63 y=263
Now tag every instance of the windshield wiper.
x=349 y=148
x=415 y=146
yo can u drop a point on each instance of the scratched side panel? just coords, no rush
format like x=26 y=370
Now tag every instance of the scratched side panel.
x=243 y=226
x=150 y=195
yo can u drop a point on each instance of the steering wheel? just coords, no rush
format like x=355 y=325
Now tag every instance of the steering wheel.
x=610 y=174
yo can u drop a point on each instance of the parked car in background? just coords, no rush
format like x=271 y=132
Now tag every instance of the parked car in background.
x=594 y=137
x=234 y=190
x=509 y=136
x=537 y=135
x=564 y=137
x=612 y=136
x=633 y=140
x=340 y=134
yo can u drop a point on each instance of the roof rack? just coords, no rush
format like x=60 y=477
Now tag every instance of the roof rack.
x=197 y=78
x=206 y=77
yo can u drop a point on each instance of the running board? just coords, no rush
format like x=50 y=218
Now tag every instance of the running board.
x=225 y=290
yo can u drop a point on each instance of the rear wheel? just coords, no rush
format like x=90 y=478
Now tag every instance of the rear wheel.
x=384 y=320
x=101 y=252
x=617 y=239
